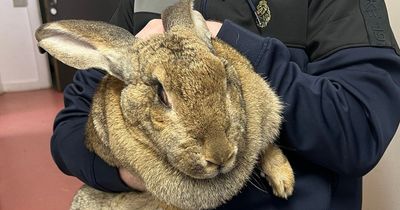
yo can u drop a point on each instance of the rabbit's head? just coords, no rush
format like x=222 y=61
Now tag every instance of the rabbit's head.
x=189 y=103
x=181 y=95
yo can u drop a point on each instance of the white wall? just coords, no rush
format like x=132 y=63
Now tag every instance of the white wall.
x=1 y=86
x=22 y=67
x=393 y=7
x=382 y=184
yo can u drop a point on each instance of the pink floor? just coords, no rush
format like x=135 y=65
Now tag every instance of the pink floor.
x=29 y=179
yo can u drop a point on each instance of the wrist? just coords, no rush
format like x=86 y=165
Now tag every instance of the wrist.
x=131 y=180
x=213 y=27
x=106 y=177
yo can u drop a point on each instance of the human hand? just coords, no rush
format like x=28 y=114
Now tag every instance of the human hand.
x=155 y=26
x=214 y=27
x=132 y=180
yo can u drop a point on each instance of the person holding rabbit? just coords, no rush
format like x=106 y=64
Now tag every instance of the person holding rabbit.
x=333 y=63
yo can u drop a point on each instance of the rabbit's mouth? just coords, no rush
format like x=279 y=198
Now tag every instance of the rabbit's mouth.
x=207 y=170
x=199 y=166
x=211 y=170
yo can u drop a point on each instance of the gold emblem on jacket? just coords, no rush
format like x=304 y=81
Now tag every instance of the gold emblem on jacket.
x=263 y=13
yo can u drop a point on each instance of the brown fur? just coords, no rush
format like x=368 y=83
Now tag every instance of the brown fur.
x=199 y=151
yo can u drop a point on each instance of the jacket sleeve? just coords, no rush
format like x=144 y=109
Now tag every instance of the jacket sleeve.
x=67 y=143
x=341 y=112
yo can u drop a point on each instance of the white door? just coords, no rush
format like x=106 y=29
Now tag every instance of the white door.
x=22 y=67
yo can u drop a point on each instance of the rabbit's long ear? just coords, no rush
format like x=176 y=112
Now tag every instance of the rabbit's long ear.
x=182 y=14
x=89 y=44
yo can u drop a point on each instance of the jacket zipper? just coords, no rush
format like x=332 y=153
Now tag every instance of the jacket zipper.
x=254 y=10
x=203 y=7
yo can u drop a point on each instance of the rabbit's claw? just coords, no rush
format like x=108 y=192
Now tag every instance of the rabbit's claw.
x=281 y=179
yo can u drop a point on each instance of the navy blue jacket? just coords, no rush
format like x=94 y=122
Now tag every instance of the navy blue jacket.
x=341 y=111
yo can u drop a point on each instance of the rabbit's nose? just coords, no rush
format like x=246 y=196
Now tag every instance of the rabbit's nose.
x=223 y=159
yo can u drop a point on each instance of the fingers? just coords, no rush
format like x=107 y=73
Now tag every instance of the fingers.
x=214 y=27
x=155 y=26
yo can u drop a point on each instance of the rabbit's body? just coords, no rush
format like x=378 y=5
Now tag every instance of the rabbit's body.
x=187 y=114
x=92 y=199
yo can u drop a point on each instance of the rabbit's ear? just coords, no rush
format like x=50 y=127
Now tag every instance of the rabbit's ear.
x=182 y=14
x=89 y=44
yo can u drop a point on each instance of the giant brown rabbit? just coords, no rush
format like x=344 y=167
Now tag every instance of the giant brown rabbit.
x=185 y=112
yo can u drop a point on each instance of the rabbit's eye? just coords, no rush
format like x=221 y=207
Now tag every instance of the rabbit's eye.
x=162 y=95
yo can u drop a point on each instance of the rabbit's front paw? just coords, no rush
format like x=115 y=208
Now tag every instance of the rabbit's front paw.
x=281 y=179
x=278 y=172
